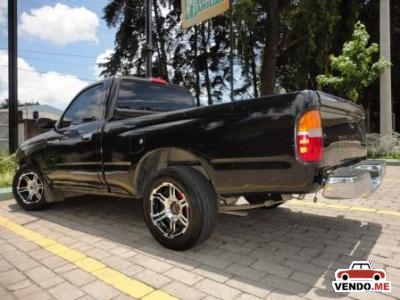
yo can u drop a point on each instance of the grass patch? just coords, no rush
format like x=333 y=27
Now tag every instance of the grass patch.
x=7 y=169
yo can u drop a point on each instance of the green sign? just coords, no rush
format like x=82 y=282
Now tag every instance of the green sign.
x=197 y=11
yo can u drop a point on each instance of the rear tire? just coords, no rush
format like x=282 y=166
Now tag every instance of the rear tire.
x=29 y=189
x=180 y=207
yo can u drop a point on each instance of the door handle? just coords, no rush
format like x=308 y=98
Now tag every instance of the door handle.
x=87 y=137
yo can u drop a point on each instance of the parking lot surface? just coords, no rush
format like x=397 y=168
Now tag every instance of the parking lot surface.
x=97 y=248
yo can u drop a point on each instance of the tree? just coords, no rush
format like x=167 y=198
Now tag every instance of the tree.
x=268 y=71
x=356 y=67
x=194 y=58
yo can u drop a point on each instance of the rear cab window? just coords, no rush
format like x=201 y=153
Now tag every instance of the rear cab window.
x=145 y=98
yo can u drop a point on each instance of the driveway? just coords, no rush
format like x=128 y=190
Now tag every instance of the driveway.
x=98 y=248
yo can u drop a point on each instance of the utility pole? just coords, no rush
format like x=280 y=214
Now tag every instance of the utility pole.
x=386 y=80
x=232 y=44
x=149 y=41
x=12 y=77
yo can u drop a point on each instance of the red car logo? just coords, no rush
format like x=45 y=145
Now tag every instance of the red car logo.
x=361 y=270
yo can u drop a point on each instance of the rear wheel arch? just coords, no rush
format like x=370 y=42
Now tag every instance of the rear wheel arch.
x=162 y=158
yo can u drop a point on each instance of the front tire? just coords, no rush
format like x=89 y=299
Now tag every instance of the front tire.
x=180 y=207
x=29 y=189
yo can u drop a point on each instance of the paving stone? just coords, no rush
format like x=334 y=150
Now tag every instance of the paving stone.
x=117 y=262
x=183 y=291
x=213 y=261
x=40 y=273
x=119 y=297
x=305 y=278
x=272 y=268
x=11 y=276
x=151 y=263
x=305 y=267
x=105 y=245
x=50 y=282
x=132 y=270
x=19 y=285
x=24 y=245
x=27 y=291
x=54 y=262
x=213 y=274
x=245 y=272
x=123 y=252
x=5 y=265
x=3 y=291
x=183 y=276
x=152 y=278
x=20 y=260
x=97 y=253
x=287 y=253
x=81 y=246
x=89 y=239
x=65 y=268
x=286 y=285
x=245 y=260
x=7 y=297
x=280 y=295
x=248 y=286
x=217 y=289
x=100 y=290
x=87 y=297
x=65 y=291
x=39 y=254
x=78 y=277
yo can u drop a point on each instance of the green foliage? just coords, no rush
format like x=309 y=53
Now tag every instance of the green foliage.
x=356 y=67
x=7 y=169
x=309 y=33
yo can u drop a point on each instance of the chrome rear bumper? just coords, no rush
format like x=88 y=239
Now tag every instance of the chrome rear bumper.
x=355 y=181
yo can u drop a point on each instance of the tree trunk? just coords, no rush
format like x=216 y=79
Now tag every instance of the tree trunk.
x=253 y=67
x=160 y=38
x=268 y=71
x=206 y=70
x=196 y=65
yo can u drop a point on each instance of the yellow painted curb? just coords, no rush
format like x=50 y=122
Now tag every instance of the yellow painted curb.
x=345 y=207
x=110 y=276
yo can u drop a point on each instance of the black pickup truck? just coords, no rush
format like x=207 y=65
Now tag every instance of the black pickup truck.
x=146 y=139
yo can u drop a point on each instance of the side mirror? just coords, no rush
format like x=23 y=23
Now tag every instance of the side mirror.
x=45 y=123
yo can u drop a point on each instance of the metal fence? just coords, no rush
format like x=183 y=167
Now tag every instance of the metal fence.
x=4 y=130
x=388 y=145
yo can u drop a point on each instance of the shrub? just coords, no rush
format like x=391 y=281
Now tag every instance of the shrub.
x=7 y=169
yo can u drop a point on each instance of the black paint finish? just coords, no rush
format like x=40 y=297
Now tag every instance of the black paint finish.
x=243 y=147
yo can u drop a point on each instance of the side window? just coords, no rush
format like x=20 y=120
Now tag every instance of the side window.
x=136 y=95
x=85 y=108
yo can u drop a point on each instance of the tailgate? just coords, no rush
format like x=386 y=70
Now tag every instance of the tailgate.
x=344 y=131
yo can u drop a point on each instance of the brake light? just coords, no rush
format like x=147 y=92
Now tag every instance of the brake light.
x=158 y=81
x=309 y=138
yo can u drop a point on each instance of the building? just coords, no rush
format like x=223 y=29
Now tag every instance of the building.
x=27 y=127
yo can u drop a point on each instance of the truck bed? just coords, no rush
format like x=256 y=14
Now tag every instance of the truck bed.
x=249 y=146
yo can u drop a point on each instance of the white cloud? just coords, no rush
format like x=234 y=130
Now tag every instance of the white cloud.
x=48 y=88
x=3 y=13
x=60 y=24
x=101 y=58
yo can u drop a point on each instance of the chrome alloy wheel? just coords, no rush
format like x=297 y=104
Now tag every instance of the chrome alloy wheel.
x=30 y=188
x=169 y=210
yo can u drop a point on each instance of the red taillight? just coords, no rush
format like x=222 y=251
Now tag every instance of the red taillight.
x=158 y=81
x=309 y=139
